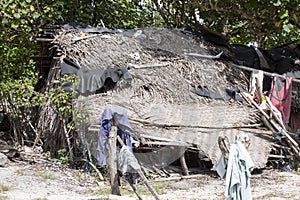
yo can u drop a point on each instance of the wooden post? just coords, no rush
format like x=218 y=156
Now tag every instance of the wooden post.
x=112 y=161
x=184 y=166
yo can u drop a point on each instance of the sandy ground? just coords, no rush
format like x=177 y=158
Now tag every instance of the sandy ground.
x=49 y=181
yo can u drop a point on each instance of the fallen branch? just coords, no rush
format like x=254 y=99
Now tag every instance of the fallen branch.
x=204 y=56
x=149 y=65
x=179 y=178
x=85 y=37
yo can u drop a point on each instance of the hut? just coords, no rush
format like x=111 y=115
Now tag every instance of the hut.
x=178 y=96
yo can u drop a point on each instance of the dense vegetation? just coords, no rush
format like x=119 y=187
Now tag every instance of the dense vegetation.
x=269 y=23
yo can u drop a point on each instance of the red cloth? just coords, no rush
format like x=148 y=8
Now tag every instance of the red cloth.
x=281 y=96
x=255 y=98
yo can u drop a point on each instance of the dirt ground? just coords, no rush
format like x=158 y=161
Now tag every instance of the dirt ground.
x=52 y=181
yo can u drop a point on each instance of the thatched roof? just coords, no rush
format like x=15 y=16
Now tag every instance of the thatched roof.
x=159 y=101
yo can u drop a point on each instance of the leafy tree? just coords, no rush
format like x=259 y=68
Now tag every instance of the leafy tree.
x=269 y=23
x=21 y=22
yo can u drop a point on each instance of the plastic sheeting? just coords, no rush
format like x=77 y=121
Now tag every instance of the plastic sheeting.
x=92 y=80
x=161 y=157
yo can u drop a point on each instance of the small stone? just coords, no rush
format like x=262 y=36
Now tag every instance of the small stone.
x=3 y=159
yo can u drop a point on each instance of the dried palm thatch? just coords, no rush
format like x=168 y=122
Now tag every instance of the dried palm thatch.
x=159 y=100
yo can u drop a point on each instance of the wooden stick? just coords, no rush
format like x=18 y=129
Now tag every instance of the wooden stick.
x=276 y=156
x=141 y=174
x=179 y=178
x=147 y=183
x=276 y=126
x=267 y=123
x=149 y=65
x=44 y=39
x=282 y=147
x=134 y=190
x=204 y=56
x=156 y=138
x=146 y=122
x=271 y=110
x=259 y=90
x=165 y=143
x=184 y=166
x=85 y=37
x=95 y=168
x=112 y=161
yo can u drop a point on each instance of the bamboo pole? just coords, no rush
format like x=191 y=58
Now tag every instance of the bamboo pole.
x=265 y=73
x=276 y=126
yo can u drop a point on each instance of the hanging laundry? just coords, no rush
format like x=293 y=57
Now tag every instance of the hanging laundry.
x=119 y=117
x=281 y=96
x=240 y=165
x=256 y=75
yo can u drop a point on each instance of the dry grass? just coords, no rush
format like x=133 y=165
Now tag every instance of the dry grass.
x=4 y=188
x=272 y=195
x=2 y=197
x=20 y=172
x=45 y=175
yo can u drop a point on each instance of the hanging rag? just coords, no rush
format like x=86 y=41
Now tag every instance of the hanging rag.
x=281 y=96
x=118 y=116
x=220 y=166
x=240 y=165
x=256 y=75
x=128 y=164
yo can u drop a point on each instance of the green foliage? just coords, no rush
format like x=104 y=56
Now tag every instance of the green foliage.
x=20 y=24
x=63 y=156
x=270 y=23
x=62 y=99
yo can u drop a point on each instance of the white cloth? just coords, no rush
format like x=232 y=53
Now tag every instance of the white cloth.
x=240 y=165
x=260 y=76
x=220 y=167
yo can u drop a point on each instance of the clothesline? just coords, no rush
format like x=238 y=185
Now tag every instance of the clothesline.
x=265 y=73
